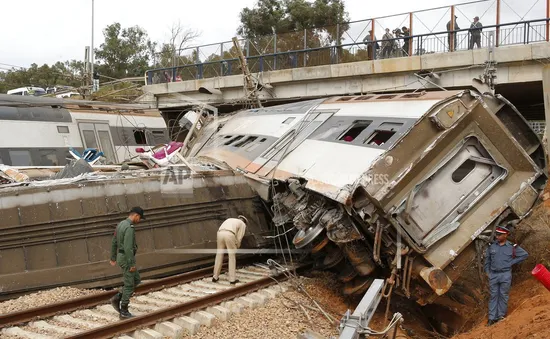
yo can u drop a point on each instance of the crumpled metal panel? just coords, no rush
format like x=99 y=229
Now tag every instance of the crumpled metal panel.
x=522 y=203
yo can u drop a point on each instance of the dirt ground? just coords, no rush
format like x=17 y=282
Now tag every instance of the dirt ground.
x=528 y=311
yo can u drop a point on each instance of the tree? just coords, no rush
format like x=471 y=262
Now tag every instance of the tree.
x=68 y=73
x=285 y=16
x=180 y=39
x=126 y=52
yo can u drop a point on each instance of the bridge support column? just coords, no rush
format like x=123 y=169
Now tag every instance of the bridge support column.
x=546 y=92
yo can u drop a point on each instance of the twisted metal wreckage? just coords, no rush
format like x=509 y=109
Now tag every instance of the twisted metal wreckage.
x=392 y=185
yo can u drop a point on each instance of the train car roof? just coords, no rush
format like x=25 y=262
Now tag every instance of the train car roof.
x=31 y=101
x=15 y=107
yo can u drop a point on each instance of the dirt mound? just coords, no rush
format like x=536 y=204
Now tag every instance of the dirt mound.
x=528 y=312
x=528 y=315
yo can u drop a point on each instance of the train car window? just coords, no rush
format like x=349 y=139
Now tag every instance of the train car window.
x=106 y=145
x=89 y=138
x=20 y=158
x=390 y=126
x=413 y=95
x=139 y=136
x=364 y=97
x=289 y=120
x=57 y=113
x=35 y=114
x=263 y=140
x=62 y=129
x=245 y=142
x=387 y=96
x=379 y=137
x=234 y=139
x=158 y=137
x=355 y=129
x=463 y=170
x=48 y=157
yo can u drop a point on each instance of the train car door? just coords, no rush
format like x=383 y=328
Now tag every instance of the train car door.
x=98 y=135
x=463 y=179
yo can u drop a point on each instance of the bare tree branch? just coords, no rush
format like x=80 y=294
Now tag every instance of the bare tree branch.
x=180 y=38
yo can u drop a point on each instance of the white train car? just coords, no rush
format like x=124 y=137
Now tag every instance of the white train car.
x=387 y=185
x=40 y=131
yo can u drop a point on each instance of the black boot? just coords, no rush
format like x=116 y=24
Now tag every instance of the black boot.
x=115 y=301
x=124 y=313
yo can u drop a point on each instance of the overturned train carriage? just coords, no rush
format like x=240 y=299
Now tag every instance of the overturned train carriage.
x=393 y=184
x=56 y=234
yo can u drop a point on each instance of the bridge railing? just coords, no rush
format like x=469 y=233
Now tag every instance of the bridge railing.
x=512 y=33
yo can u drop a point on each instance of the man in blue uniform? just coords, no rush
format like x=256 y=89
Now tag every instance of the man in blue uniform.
x=500 y=257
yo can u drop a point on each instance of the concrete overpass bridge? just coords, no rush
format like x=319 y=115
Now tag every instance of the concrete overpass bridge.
x=300 y=65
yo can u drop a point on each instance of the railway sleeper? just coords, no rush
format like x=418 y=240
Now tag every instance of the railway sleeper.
x=83 y=320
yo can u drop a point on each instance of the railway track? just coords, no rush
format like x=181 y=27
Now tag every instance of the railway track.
x=166 y=308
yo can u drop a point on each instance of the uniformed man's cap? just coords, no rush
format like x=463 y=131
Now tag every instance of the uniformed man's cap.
x=139 y=211
x=502 y=230
x=243 y=218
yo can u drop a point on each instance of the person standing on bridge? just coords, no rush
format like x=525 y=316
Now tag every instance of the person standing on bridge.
x=230 y=235
x=123 y=253
x=452 y=36
x=475 y=33
x=500 y=257
x=388 y=44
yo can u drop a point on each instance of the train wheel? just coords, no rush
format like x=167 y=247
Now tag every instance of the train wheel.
x=358 y=285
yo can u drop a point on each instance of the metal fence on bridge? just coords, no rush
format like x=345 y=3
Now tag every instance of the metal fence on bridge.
x=349 y=42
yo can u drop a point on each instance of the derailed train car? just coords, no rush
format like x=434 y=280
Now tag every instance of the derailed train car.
x=387 y=185
x=59 y=232
x=40 y=131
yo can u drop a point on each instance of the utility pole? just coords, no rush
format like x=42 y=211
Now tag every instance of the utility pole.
x=250 y=88
x=92 y=49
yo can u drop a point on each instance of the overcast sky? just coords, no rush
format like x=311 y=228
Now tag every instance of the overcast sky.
x=48 y=31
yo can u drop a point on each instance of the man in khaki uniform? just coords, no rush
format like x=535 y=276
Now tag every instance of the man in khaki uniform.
x=230 y=235
x=123 y=253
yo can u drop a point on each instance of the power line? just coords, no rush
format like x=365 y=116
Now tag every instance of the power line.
x=10 y=65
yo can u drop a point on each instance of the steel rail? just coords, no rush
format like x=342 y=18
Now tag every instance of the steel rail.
x=45 y=311
x=152 y=318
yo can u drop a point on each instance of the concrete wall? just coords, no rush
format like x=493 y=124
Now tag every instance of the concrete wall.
x=515 y=64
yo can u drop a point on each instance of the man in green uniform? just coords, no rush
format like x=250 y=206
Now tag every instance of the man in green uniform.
x=123 y=253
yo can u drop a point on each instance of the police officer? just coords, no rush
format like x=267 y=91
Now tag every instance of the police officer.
x=230 y=235
x=123 y=253
x=500 y=257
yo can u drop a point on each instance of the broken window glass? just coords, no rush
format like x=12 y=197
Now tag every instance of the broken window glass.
x=355 y=130
x=48 y=157
x=463 y=170
x=379 y=138
x=139 y=135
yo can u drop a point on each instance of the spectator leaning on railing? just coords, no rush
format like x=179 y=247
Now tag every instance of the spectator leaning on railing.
x=372 y=46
